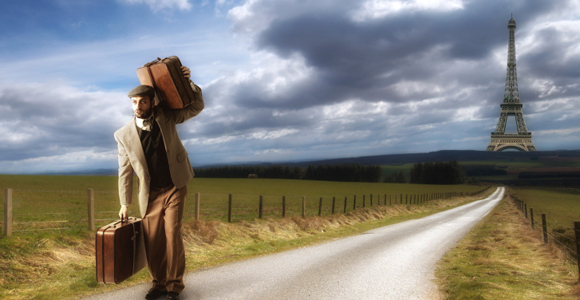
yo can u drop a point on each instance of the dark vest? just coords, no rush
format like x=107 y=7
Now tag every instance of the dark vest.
x=156 y=156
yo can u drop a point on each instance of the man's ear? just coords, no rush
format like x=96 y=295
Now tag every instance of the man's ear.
x=152 y=101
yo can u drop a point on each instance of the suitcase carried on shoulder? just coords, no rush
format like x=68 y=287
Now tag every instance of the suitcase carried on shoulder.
x=166 y=76
x=120 y=250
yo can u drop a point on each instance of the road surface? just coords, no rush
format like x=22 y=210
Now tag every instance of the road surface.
x=391 y=262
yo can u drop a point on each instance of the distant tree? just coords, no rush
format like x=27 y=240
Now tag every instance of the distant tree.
x=438 y=173
x=347 y=172
x=282 y=172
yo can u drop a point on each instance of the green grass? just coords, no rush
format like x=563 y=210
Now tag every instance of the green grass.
x=390 y=169
x=46 y=261
x=560 y=206
x=502 y=258
x=61 y=201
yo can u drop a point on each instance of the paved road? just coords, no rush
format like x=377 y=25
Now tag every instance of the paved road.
x=392 y=262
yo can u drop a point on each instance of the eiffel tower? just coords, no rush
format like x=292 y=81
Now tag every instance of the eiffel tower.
x=511 y=106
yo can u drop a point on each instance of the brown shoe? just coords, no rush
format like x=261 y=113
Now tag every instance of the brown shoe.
x=172 y=296
x=154 y=294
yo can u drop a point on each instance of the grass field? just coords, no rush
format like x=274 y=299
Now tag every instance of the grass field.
x=59 y=263
x=45 y=202
x=562 y=207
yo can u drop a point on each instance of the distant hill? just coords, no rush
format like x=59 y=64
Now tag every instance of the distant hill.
x=443 y=155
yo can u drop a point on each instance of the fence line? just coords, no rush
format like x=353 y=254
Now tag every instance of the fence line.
x=296 y=205
x=569 y=252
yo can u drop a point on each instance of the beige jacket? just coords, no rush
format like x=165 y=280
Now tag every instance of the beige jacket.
x=132 y=158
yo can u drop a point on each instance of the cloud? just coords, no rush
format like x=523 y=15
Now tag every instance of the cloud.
x=52 y=119
x=298 y=80
x=377 y=9
x=346 y=76
x=157 y=5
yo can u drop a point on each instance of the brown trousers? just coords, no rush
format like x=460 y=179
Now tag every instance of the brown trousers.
x=163 y=240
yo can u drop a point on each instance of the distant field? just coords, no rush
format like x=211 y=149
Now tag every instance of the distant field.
x=61 y=201
x=562 y=208
x=508 y=164
x=545 y=165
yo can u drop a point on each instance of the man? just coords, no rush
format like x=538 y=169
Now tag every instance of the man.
x=150 y=147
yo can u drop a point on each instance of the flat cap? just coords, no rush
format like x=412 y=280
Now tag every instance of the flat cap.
x=142 y=90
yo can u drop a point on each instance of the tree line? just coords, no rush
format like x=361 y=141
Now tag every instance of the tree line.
x=426 y=173
x=278 y=172
x=351 y=173
x=354 y=173
x=438 y=173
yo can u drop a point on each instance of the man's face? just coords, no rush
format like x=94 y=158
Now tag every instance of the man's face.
x=141 y=106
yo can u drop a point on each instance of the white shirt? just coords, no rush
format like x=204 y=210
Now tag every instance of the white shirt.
x=145 y=124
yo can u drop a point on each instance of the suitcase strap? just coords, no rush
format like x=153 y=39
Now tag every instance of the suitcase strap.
x=134 y=238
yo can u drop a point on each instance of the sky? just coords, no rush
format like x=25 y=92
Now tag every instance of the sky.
x=284 y=80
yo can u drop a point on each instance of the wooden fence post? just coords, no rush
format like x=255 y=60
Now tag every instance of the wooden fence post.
x=197 y=200
x=545 y=228
x=333 y=203
x=526 y=209
x=532 y=217
x=8 y=213
x=303 y=206
x=354 y=202
x=261 y=207
x=577 y=233
x=91 y=209
x=364 y=200
x=230 y=204
x=344 y=205
x=283 y=206
x=320 y=207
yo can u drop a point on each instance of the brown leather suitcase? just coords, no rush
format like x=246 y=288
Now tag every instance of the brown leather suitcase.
x=120 y=250
x=166 y=76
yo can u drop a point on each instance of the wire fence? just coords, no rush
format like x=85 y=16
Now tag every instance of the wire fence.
x=560 y=233
x=50 y=210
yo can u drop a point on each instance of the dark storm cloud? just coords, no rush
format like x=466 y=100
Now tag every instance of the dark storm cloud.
x=550 y=61
x=365 y=59
x=248 y=121
x=304 y=80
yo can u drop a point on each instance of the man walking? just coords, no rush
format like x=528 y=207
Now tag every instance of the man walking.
x=150 y=148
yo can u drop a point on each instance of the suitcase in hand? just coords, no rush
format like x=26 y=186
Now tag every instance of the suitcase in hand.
x=166 y=76
x=120 y=250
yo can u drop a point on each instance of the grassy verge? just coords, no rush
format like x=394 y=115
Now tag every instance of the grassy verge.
x=503 y=258
x=62 y=266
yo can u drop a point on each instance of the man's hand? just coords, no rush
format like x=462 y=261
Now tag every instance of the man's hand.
x=186 y=72
x=123 y=212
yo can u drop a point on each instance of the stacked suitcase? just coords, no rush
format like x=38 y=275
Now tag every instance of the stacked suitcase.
x=166 y=76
